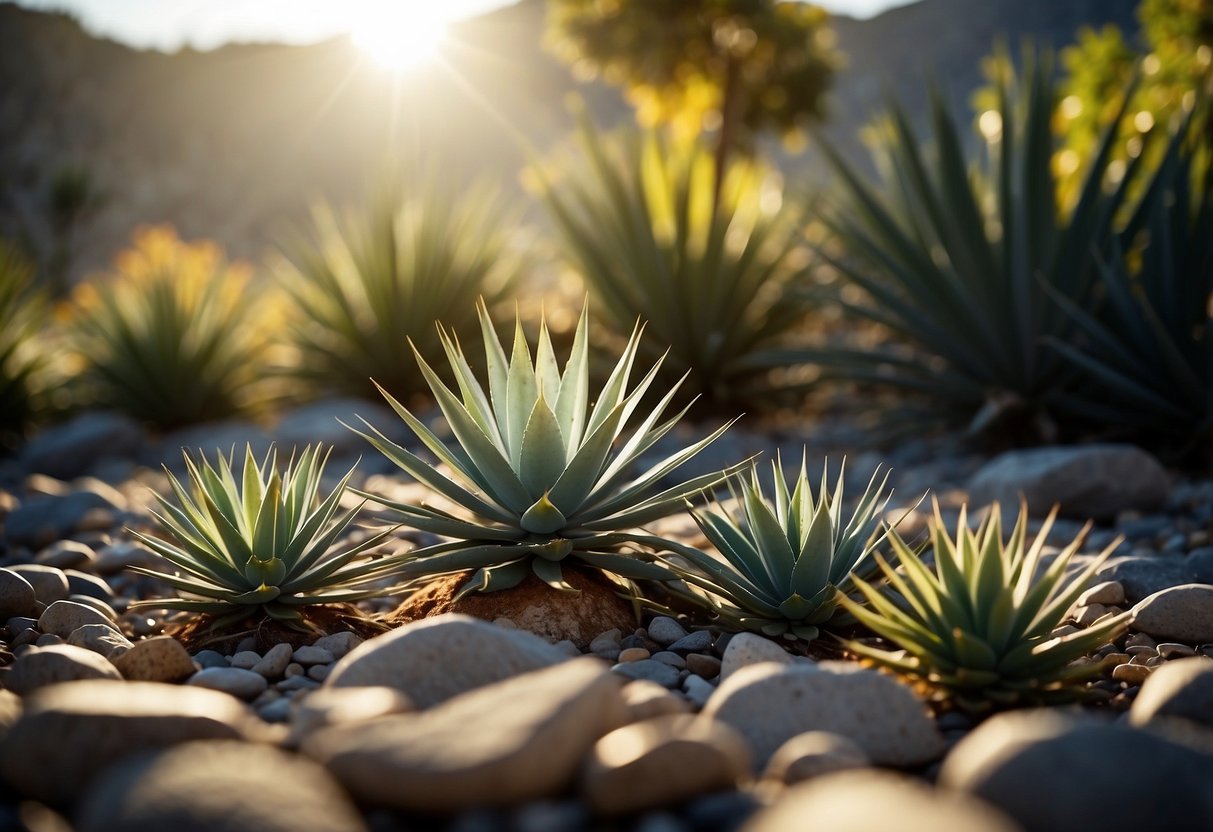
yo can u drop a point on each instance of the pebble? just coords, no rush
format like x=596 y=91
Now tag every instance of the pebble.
x=696 y=642
x=211 y=658
x=745 y=649
x=606 y=644
x=17 y=596
x=662 y=761
x=1133 y=674
x=651 y=670
x=82 y=583
x=156 y=659
x=309 y=655
x=40 y=667
x=645 y=699
x=240 y=683
x=339 y=644
x=245 y=659
x=698 y=691
x=64 y=617
x=273 y=664
x=66 y=554
x=1181 y=613
x=50 y=584
x=665 y=630
x=813 y=754
x=102 y=639
x=703 y=665
x=633 y=654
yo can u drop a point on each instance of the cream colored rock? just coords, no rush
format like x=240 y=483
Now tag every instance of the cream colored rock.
x=746 y=649
x=342 y=706
x=157 y=659
x=517 y=740
x=646 y=699
x=661 y=761
x=1181 y=689
x=1181 y=613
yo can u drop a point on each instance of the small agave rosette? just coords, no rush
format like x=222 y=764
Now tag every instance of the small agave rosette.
x=781 y=563
x=541 y=475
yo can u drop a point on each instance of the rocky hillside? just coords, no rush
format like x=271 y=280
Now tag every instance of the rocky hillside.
x=234 y=143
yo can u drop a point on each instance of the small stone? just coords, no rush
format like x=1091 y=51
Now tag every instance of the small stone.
x=211 y=658
x=1180 y=689
x=698 y=690
x=102 y=639
x=293 y=669
x=40 y=667
x=50 y=584
x=1133 y=674
x=607 y=642
x=49 y=640
x=645 y=699
x=82 y=583
x=339 y=644
x=569 y=648
x=276 y=710
x=319 y=672
x=310 y=654
x=17 y=596
x=662 y=761
x=813 y=754
x=273 y=664
x=665 y=630
x=1108 y=593
x=245 y=659
x=1139 y=640
x=1182 y=613
x=1089 y=614
x=670 y=658
x=240 y=683
x=1173 y=650
x=63 y=617
x=746 y=649
x=633 y=654
x=696 y=642
x=66 y=554
x=703 y=665
x=206 y=786
x=657 y=672
x=156 y=659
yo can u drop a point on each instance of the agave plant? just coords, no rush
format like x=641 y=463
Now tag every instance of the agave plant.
x=785 y=565
x=22 y=311
x=544 y=478
x=714 y=280
x=962 y=267
x=370 y=282
x=981 y=625
x=173 y=337
x=1146 y=352
x=263 y=543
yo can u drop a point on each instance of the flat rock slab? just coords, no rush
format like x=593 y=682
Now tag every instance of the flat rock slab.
x=517 y=740
x=433 y=660
x=770 y=703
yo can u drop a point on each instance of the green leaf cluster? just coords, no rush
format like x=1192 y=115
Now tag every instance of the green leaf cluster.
x=980 y=625
x=543 y=476
x=261 y=543
x=22 y=316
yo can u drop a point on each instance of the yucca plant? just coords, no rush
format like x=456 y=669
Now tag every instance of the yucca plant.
x=714 y=280
x=1146 y=351
x=260 y=544
x=22 y=315
x=370 y=282
x=174 y=336
x=781 y=569
x=544 y=479
x=979 y=627
x=961 y=265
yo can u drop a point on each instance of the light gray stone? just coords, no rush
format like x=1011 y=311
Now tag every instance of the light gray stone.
x=273 y=664
x=436 y=658
x=69 y=733
x=814 y=754
x=310 y=654
x=662 y=761
x=1096 y=481
x=1180 y=689
x=240 y=683
x=156 y=659
x=39 y=667
x=1182 y=613
x=211 y=785
x=665 y=630
x=696 y=642
x=339 y=644
x=746 y=649
x=62 y=618
x=245 y=659
x=769 y=704
x=874 y=801
x=1054 y=773
x=653 y=671
x=17 y=597
x=517 y=740
x=50 y=584
x=102 y=639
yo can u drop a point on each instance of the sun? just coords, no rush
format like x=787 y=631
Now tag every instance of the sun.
x=398 y=34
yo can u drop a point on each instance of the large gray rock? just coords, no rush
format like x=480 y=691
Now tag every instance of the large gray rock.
x=40 y=667
x=1143 y=575
x=663 y=761
x=1180 y=689
x=436 y=658
x=1054 y=773
x=17 y=597
x=517 y=740
x=75 y=447
x=1085 y=480
x=1181 y=613
x=769 y=704
x=873 y=801
x=211 y=785
x=69 y=733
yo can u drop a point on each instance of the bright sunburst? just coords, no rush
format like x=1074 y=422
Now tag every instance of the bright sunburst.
x=398 y=34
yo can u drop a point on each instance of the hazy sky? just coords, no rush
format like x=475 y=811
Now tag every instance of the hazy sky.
x=168 y=24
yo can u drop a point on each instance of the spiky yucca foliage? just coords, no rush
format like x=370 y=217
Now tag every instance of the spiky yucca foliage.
x=786 y=563
x=980 y=626
x=263 y=543
x=22 y=314
x=543 y=477
x=174 y=336
x=715 y=281
x=961 y=265
x=1146 y=351
x=369 y=282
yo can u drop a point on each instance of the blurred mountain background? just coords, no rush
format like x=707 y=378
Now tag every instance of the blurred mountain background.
x=234 y=144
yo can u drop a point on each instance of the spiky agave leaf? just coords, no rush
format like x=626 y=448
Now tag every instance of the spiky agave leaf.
x=788 y=558
x=263 y=542
x=980 y=626
x=542 y=475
